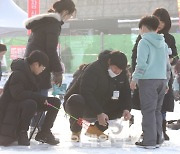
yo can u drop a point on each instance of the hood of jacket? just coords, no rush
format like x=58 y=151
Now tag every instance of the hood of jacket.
x=23 y=66
x=42 y=19
x=155 y=39
x=103 y=58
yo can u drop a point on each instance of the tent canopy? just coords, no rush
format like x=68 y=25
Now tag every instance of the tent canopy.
x=11 y=19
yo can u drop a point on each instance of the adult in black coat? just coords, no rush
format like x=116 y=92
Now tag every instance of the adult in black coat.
x=104 y=92
x=45 y=31
x=164 y=27
x=20 y=100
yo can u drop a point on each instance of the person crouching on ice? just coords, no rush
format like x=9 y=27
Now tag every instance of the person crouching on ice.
x=21 y=100
x=103 y=93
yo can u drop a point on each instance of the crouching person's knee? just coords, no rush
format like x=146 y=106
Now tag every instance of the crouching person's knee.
x=75 y=103
x=29 y=106
x=54 y=101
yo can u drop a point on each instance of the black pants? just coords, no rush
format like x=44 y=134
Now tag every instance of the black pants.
x=29 y=107
x=76 y=107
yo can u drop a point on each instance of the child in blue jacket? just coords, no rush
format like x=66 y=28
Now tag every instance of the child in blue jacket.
x=151 y=76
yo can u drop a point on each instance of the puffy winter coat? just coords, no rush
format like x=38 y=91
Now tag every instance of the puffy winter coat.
x=96 y=87
x=45 y=29
x=20 y=86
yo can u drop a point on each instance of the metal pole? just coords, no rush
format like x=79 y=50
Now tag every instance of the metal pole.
x=102 y=41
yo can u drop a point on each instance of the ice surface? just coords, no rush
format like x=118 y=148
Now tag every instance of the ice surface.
x=122 y=139
x=118 y=143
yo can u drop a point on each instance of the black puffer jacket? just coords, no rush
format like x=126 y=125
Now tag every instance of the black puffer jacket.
x=45 y=29
x=97 y=87
x=20 y=86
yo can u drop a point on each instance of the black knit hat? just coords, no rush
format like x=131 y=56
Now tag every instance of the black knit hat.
x=3 y=47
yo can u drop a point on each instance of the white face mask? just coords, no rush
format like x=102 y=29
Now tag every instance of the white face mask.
x=111 y=73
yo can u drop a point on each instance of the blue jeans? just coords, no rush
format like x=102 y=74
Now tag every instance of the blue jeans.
x=163 y=115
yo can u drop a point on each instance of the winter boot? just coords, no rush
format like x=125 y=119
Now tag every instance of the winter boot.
x=75 y=137
x=46 y=137
x=166 y=137
x=94 y=131
x=174 y=124
x=23 y=138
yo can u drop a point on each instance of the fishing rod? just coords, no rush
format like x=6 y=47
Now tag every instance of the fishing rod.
x=80 y=121
x=83 y=123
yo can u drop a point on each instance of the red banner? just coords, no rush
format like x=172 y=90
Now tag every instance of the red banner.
x=17 y=51
x=33 y=8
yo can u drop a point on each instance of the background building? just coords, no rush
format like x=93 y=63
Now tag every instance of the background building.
x=102 y=24
x=109 y=16
x=123 y=9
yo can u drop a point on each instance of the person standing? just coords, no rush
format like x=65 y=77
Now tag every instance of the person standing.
x=151 y=76
x=45 y=31
x=163 y=28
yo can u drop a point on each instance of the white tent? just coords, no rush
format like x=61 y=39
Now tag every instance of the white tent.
x=11 y=19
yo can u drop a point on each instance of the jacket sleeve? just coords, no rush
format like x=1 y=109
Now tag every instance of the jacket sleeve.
x=142 y=56
x=176 y=84
x=134 y=53
x=126 y=93
x=174 y=50
x=52 y=36
x=87 y=89
x=18 y=91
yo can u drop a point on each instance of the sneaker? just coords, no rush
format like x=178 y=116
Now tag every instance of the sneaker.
x=174 y=126
x=158 y=145
x=140 y=144
x=93 y=131
x=46 y=137
x=23 y=138
x=75 y=137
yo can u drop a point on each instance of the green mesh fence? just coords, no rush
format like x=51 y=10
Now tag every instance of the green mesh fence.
x=76 y=50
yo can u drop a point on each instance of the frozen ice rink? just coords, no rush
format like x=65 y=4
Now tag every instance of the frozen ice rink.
x=118 y=143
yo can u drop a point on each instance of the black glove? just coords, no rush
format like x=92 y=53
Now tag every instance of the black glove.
x=57 y=78
x=100 y=127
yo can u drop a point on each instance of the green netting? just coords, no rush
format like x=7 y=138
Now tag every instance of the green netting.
x=76 y=50
x=84 y=49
